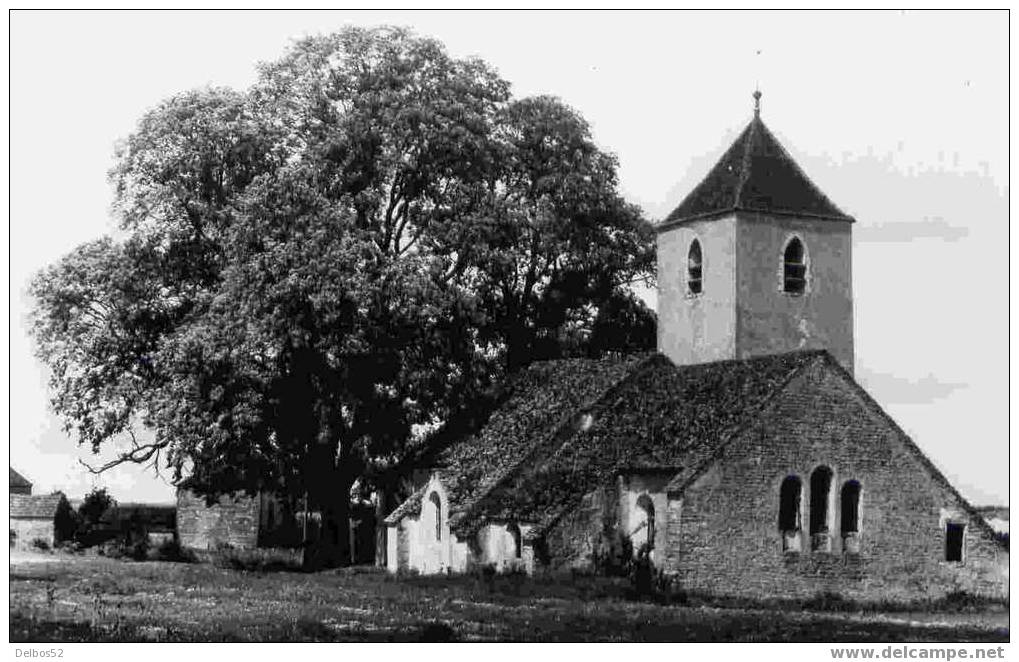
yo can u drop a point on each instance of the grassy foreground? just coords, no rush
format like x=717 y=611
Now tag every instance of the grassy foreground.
x=84 y=598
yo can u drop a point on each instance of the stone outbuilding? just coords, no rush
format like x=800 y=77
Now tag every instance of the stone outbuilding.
x=40 y=519
x=743 y=458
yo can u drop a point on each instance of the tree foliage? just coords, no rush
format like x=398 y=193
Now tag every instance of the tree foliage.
x=307 y=270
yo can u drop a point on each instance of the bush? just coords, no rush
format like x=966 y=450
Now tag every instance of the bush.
x=170 y=550
x=613 y=554
x=258 y=560
x=40 y=544
x=138 y=549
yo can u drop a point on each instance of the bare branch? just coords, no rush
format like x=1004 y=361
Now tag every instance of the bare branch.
x=137 y=455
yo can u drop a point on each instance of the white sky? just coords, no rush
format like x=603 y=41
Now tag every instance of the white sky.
x=901 y=118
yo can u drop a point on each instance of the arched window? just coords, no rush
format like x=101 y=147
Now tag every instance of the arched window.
x=820 y=489
x=693 y=268
x=789 y=504
x=955 y=538
x=850 y=499
x=436 y=506
x=789 y=498
x=794 y=270
x=643 y=530
x=514 y=532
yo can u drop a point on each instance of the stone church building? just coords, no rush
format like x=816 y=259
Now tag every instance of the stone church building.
x=742 y=457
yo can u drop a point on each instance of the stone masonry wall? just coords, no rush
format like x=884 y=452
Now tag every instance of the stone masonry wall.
x=232 y=520
x=571 y=543
x=769 y=320
x=696 y=328
x=28 y=530
x=728 y=536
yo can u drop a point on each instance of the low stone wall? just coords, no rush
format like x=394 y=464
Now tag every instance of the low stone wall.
x=232 y=520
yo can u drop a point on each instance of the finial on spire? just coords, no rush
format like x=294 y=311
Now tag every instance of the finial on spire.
x=757 y=103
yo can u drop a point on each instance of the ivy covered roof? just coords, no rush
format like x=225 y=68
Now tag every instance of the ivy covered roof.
x=572 y=426
x=755 y=174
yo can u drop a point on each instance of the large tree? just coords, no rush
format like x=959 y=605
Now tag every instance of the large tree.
x=355 y=246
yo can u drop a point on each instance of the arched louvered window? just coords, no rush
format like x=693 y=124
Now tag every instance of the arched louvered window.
x=694 y=262
x=794 y=279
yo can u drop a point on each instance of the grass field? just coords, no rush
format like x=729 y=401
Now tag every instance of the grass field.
x=84 y=598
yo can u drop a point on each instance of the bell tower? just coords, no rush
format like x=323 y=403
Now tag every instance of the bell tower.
x=755 y=260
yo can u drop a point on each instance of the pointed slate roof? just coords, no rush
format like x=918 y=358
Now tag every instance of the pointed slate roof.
x=17 y=480
x=755 y=174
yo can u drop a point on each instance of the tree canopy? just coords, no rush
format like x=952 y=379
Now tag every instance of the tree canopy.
x=306 y=271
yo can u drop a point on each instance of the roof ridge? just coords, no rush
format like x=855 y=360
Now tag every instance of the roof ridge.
x=567 y=421
x=733 y=431
x=789 y=158
x=912 y=446
x=745 y=162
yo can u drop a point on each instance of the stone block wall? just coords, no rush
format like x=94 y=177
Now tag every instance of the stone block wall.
x=232 y=520
x=696 y=328
x=729 y=542
x=26 y=530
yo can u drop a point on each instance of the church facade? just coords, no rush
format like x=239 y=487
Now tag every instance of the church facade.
x=742 y=458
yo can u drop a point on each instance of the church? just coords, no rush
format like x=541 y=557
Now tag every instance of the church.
x=742 y=458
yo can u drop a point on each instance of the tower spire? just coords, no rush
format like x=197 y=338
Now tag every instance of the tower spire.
x=757 y=103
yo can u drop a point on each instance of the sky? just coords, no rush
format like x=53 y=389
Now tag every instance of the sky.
x=901 y=118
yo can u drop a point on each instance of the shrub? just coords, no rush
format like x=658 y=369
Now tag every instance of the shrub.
x=258 y=560
x=613 y=554
x=138 y=549
x=40 y=544
x=170 y=550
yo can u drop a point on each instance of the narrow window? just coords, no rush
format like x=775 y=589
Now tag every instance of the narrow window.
x=643 y=533
x=850 y=520
x=789 y=497
x=820 y=487
x=850 y=499
x=437 y=507
x=693 y=268
x=514 y=532
x=271 y=517
x=794 y=268
x=954 y=537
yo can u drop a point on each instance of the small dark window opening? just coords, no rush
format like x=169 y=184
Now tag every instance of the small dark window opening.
x=514 y=531
x=693 y=268
x=820 y=486
x=271 y=517
x=794 y=268
x=789 y=504
x=850 y=507
x=434 y=498
x=954 y=536
x=644 y=503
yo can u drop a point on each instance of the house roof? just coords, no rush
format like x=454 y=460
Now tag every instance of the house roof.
x=755 y=174
x=538 y=402
x=17 y=480
x=572 y=425
x=36 y=506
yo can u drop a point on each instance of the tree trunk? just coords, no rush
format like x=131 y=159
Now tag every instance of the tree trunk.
x=332 y=547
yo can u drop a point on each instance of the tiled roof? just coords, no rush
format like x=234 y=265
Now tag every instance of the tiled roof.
x=570 y=426
x=35 y=506
x=755 y=174
x=17 y=480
